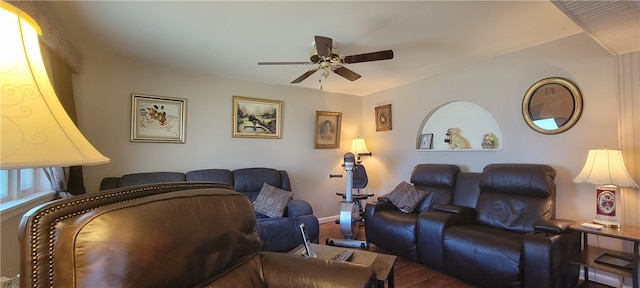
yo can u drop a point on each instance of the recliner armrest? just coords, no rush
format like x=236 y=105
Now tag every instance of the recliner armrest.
x=554 y=226
x=547 y=256
x=460 y=210
x=297 y=207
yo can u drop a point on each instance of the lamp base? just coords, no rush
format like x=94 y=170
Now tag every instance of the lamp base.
x=607 y=223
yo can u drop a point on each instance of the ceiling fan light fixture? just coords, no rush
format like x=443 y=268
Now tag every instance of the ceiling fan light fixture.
x=330 y=55
x=325 y=73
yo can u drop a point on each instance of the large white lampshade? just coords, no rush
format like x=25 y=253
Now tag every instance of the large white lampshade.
x=605 y=169
x=35 y=129
x=359 y=147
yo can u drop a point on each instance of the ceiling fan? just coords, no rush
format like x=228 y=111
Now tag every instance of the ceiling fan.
x=327 y=57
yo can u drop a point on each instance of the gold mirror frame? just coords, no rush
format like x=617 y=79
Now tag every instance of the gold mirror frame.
x=564 y=110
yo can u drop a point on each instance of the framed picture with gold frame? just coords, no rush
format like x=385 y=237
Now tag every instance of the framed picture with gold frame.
x=256 y=118
x=157 y=119
x=327 y=132
x=383 y=117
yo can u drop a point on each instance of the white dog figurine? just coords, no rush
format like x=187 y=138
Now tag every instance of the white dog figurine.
x=456 y=140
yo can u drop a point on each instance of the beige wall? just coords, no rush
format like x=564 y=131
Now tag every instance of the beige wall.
x=499 y=86
x=103 y=95
x=103 y=99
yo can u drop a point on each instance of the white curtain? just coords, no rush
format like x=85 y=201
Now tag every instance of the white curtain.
x=59 y=178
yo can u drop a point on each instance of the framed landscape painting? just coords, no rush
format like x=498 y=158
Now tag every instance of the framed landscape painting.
x=256 y=118
x=157 y=119
x=327 y=131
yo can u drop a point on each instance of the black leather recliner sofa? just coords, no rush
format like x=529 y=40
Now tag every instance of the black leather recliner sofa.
x=493 y=229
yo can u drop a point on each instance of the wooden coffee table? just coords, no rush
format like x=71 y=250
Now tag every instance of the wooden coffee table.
x=381 y=263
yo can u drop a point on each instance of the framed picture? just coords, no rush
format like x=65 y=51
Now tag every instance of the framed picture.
x=383 y=118
x=157 y=119
x=327 y=134
x=256 y=118
x=426 y=141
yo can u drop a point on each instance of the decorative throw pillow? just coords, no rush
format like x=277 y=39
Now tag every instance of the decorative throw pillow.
x=272 y=201
x=406 y=197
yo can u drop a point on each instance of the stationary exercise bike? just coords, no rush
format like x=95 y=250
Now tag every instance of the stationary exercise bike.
x=350 y=209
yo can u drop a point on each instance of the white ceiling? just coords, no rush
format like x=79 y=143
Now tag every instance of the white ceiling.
x=227 y=39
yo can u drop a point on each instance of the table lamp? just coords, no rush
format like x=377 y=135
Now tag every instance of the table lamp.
x=359 y=148
x=36 y=131
x=605 y=168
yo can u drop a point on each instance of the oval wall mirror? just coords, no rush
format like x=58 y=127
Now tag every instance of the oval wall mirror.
x=552 y=105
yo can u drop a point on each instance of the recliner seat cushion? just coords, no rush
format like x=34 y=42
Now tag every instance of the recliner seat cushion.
x=483 y=255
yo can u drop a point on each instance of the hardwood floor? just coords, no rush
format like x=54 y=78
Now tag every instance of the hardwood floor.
x=408 y=274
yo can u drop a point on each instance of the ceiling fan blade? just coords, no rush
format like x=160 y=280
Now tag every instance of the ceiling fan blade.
x=304 y=76
x=284 y=63
x=346 y=73
x=366 y=57
x=323 y=46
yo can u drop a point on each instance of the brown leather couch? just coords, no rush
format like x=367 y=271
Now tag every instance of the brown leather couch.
x=493 y=229
x=189 y=234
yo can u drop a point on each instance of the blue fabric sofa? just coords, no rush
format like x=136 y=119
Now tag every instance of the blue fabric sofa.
x=277 y=234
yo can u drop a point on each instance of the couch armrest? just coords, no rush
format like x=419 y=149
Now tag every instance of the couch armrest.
x=554 y=226
x=371 y=208
x=430 y=235
x=547 y=258
x=278 y=269
x=460 y=210
x=297 y=207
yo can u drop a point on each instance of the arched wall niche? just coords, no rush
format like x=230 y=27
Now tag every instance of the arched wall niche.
x=472 y=120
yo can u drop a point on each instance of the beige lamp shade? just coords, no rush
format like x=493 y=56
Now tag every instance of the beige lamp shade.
x=35 y=129
x=605 y=167
x=358 y=147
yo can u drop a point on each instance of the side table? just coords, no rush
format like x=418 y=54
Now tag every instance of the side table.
x=383 y=264
x=589 y=253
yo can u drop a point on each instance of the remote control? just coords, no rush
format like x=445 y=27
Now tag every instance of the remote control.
x=343 y=256
x=592 y=226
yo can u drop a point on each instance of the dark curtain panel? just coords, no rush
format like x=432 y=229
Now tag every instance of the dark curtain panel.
x=60 y=76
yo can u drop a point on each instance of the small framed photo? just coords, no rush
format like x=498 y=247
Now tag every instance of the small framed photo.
x=383 y=118
x=157 y=119
x=426 y=141
x=256 y=118
x=327 y=132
